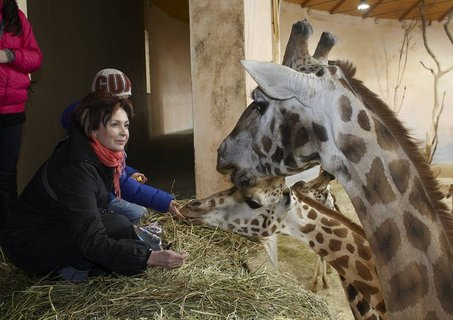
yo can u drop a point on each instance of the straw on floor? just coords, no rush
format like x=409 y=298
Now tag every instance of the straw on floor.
x=213 y=284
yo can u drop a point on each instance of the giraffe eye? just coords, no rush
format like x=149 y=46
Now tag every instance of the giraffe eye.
x=252 y=203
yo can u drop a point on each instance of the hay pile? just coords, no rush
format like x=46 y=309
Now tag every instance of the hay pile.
x=212 y=284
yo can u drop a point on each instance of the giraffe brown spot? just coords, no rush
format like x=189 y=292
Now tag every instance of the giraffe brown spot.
x=384 y=136
x=418 y=233
x=323 y=252
x=343 y=170
x=363 y=306
x=211 y=203
x=407 y=287
x=305 y=207
x=307 y=228
x=290 y=161
x=301 y=137
x=255 y=222
x=351 y=291
x=399 y=171
x=386 y=241
x=267 y=143
x=364 y=121
x=350 y=248
x=345 y=109
x=255 y=229
x=378 y=189
x=381 y=307
x=221 y=200
x=359 y=207
x=245 y=229
x=335 y=245
x=419 y=200
x=311 y=244
x=274 y=227
x=237 y=221
x=278 y=155
x=320 y=132
x=329 y=222
x=363 y=270
x=312 y=214
x=364 y=288
x=340 y=264
x=285 y=134
x=320 y=238
x=327 y=230
x=265 y=234
x=363 y=250
x=443 y=281
x=353 y=147
x=341 y=232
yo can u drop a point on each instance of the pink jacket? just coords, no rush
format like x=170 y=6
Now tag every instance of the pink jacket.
x=14 y=80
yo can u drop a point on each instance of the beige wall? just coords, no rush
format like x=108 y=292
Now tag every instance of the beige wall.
x=170 y=100
x=373 y=46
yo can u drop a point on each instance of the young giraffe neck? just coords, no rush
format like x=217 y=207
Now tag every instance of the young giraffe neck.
x=392 y=192
x=343 y=245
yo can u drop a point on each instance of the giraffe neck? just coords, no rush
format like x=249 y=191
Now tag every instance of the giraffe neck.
x=390 y=189
x=340 y=242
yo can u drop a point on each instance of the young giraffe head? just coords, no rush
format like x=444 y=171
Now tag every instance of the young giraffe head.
x=331 y=235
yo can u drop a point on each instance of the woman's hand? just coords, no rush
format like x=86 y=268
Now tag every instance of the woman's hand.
x=174 y=210
x=167 y=259
x=140 y=177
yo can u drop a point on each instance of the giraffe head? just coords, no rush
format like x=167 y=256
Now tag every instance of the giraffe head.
x=271 y=153
x=286 y=126
x=233 y=211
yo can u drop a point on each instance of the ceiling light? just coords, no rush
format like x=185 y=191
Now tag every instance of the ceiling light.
x=363 y=5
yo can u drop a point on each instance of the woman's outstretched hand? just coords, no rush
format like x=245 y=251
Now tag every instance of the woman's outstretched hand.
x=167 y=258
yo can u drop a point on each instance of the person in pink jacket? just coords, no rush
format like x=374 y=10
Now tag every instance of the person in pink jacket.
x=19 y=56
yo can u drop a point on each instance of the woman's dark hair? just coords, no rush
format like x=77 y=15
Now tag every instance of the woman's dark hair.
x=97 y=107
x=10 y=13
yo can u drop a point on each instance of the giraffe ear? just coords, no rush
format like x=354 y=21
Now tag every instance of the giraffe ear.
x=274 y=79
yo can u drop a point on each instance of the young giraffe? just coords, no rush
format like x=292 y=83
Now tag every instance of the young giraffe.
x=319 y=190
x=300 y=119
x=334 y=237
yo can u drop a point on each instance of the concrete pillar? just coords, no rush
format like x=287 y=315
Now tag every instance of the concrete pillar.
x=218 y=37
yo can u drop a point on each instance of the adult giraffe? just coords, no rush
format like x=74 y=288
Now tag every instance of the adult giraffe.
x=323 y=115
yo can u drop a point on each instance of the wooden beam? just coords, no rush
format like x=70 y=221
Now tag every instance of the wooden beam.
x=335 y=7
x=416 y=4
x=448 y=12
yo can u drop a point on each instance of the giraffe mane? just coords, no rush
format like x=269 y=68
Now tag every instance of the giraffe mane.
x=411 y=148
x=330 y=212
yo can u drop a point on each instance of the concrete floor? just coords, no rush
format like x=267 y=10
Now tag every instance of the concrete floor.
x=168 y=162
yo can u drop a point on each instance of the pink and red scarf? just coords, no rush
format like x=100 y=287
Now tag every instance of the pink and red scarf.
x=111 y=159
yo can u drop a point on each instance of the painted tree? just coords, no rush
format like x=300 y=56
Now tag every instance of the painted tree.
x=437 y=72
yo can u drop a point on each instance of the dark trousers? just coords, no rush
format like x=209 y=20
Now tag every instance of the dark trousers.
x=55 y=249
x=10 y=139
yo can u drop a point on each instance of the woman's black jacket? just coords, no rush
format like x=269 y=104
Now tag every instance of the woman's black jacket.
x=67 y=195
